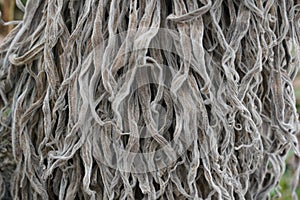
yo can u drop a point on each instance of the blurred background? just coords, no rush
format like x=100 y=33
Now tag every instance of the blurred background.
x=9 y=12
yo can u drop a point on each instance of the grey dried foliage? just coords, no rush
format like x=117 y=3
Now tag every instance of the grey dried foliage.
x=72 y=120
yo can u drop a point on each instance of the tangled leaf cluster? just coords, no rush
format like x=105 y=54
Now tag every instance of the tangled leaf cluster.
x=148 y=99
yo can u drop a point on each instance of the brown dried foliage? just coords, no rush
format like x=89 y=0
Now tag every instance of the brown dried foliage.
x=230 y=107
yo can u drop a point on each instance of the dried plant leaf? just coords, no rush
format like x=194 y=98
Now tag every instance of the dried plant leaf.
x=152 y=99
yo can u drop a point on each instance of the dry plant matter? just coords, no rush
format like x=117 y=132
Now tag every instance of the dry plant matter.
x=8 y=8
x=148 y=99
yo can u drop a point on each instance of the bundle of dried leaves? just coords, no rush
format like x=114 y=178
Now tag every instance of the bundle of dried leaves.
x=148 y=99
